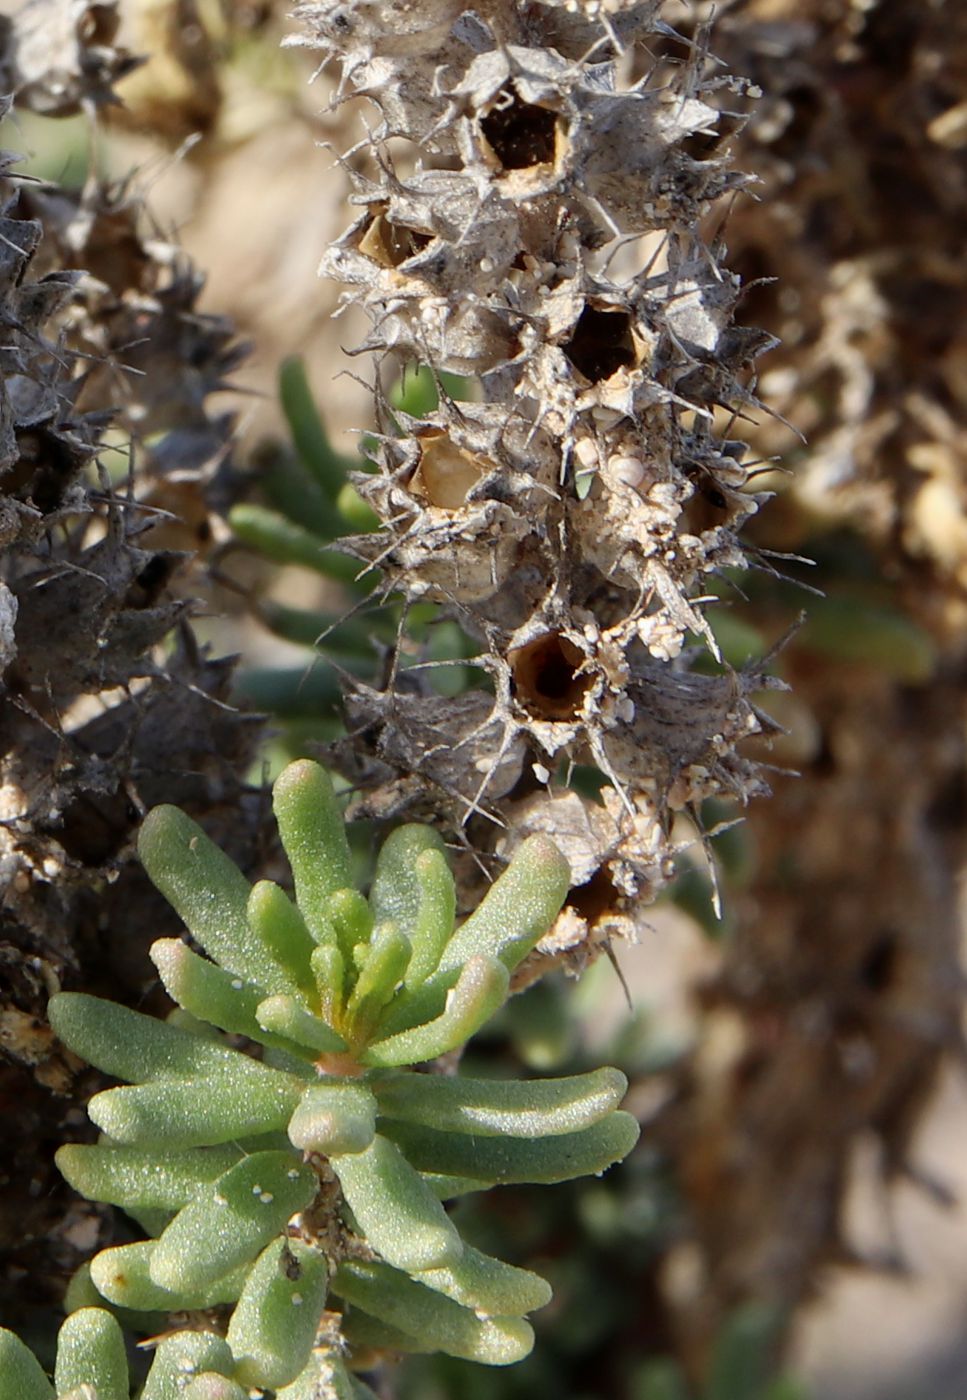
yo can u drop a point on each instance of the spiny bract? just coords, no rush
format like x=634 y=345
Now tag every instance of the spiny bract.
x=323 y=1167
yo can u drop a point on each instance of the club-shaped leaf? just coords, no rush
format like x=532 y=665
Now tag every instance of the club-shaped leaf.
x=182 y=1356
x=397 y=893
x=274 y=1325
x=284 y=1016
x=198 y=1112
x=491 y=1107
x=229 y=1222
x=488 y=1286
x=208 y=891
x=131 y=1046
x=90 y=1351
x=436 y=1321
x=329 y=972
x=366 y=1333
x=131 y=1177
x=517 y=910
x=480 y=990
x=435 y=917
x=352 y=918
x=387 y=956
x=314 y=836
x=508 y=1160
x=334 y=1118
x=21 y=1374
x=212 y=994
x=396 y=1210
x=447 y=1188
x=210 y=1386
x=277 y=924
x=122 y=1276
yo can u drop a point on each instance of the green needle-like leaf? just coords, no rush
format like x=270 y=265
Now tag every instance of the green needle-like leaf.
x=396 y=1210
x=214 y=995
x=308 y=433
x=122 y=1276
x=281 y=929
x=284 y=542
x=274 y=1325
x=285 y=1017
x=334 y=1118
x=517 y=910
x=208 y=891
x=314 y=836
x=492 y=1107
x=133 y=1178
x=480 y=989
x=435 y=1321
x=182 y=1356
x=21 y=1375
x=198 y=1112
x=488 y=1286
x=506 y=1160
x=230 y=1221
x=91 y=1352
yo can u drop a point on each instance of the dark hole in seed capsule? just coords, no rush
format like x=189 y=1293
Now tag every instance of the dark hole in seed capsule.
x=519 y=133
x=601 y=344
x=149 y=583
x=707 y=507
x=546 y=677
x=595 y=898
x=879 y=966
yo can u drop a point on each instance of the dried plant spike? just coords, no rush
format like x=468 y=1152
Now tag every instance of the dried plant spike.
x=91 y=1352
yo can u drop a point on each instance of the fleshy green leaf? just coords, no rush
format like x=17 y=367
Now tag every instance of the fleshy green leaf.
x=351 y=917
x=329 y=968
x=382 y=971
x=199 y=1112
x=480 y=989
x=285 y=1017
x=90 y=1351
x=395 y=893
x=517 y=910
x=208 y=891
x=326 y=1375
x=21 y=1374
x=210 y=1386
x=396 y=1210
x=491 y=1107
x=131 y=1046
x=311 y=440
x=334 y=1118
x=434 y=922
x=214 y=995
x=435 y=1321
x=181 y=1357
x=274 y=1325
x=122 y=1275
x=488 y=1286
x=287 y=543
x=506 y=1160
x=231 y=1221
x=446 y=1188
x=314 y=836
x=281 y=929
x=131 y=1177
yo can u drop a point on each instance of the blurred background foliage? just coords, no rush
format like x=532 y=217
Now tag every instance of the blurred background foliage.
x=784 y=1056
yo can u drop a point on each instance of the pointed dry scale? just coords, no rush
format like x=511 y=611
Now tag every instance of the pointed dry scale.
x=230 y=1159
x=546 y=244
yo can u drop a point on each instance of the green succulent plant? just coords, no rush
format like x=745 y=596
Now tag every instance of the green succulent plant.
x=321 y=1169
